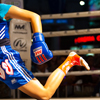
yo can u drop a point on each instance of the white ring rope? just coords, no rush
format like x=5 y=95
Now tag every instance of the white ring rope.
x=71 y=15
x=72 y=32
x=76 y=73
x=82 y=51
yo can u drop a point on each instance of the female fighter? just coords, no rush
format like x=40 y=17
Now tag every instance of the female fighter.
x=12 y=69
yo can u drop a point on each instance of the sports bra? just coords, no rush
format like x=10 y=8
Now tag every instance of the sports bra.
x=4 y=25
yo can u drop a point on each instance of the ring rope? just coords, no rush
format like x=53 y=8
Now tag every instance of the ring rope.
x=76 y=73
x=71 y=15
x=82 y=51
x=72 y=32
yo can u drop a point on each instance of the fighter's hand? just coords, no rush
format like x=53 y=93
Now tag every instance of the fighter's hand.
x=39 y=49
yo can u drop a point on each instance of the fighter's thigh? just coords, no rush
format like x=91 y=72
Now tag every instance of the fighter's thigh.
x=34 y=89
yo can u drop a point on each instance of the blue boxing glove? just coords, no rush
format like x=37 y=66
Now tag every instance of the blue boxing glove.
x=39 y=50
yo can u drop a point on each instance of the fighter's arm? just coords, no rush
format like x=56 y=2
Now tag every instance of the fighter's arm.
x=18 y=13
x=38 y=38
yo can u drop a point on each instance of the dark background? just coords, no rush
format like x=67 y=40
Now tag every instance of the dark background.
x=65 y=6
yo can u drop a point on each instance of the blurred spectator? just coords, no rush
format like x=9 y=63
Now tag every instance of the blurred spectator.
x=4 y=91
x=90 y=58
x=97 y=77
x=52 y=64
x=41 y=68
x=61 y=59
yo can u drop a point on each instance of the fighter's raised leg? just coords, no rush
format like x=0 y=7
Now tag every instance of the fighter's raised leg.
x=36 y=90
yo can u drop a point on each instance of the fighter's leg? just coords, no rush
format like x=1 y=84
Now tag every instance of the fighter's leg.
x=36 y=90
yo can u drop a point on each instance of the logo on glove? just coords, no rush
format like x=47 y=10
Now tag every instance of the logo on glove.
x=38 y=51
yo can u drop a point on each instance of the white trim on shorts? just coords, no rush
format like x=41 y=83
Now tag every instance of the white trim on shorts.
x=13 y=61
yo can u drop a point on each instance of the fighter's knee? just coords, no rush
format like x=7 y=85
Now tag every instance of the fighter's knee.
x=45 y=96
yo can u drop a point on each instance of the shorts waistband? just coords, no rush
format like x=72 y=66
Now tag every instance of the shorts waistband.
x=5 y=41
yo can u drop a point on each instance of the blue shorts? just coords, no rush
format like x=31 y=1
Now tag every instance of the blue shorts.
x=12 y=69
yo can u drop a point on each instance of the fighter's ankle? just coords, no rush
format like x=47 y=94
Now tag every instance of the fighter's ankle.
x=72 y=59
x=65 y=67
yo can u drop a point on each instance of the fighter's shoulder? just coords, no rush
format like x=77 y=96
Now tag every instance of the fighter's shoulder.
x=4 y=6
